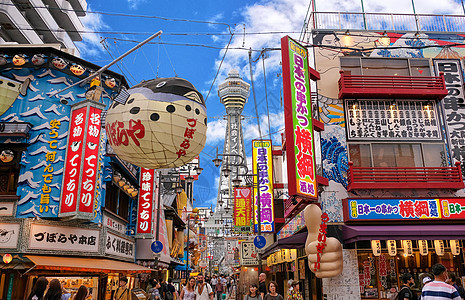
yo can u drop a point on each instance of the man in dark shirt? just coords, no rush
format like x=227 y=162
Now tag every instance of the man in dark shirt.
x=262 y=284
x=406 y=293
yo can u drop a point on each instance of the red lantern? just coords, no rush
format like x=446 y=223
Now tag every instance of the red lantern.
x=7 y=258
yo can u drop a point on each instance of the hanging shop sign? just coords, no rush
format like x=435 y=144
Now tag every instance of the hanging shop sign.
x=118 y=246
x=388 y=120
x=404 y=209
x=452 y=106
x=392 y=247
x=262 y=159
x=408 y=247
x=297 y=223
x=114 y=224
x=439 y=247
x=423 y=247
x=242 y=209
x=145 y=207
x=81 y=164
x=165 y=127
x=300 y=150
x=376 y=247
x=455 y=247
x=7 y=209
x=9 y=235
x=249 y=255
x=61 y=238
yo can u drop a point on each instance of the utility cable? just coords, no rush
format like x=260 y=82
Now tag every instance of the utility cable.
x=104 y=45
x=219 y=67
x=169 y=59
x=266 y=96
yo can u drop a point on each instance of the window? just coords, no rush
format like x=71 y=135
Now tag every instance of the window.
x=385 y=67
x=117 y=201
x=382 y=155
x=9 y=170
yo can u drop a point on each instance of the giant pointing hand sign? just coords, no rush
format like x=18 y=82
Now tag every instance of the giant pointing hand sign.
x=324 y=254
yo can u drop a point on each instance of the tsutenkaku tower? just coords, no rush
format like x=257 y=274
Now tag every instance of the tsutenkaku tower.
x=233 y=93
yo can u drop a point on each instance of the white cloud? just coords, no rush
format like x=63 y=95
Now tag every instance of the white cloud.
x=250 y=127
x=216 y=131
x=90 y=44
x=133 y=4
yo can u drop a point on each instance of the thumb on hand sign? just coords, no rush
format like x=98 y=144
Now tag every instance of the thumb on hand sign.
x=326 y=262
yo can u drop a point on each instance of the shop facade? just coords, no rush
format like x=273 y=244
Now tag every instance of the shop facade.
x=69 y=206
x=391 y=151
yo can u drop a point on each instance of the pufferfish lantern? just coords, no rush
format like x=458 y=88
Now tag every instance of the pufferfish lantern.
x=77 y=69
x=19 y=59
x=59 y=63
x=162 y=125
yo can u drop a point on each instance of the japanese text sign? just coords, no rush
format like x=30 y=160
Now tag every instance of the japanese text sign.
x=81 y=164
x=405 y=209
x=119 y=246
x=145 y=207
x=47 y=237
x=249 y=255
x=320 y=247
x=243 y=209
x=454 y=107
x=300 y=148
x=263 y=188
x=381 y=120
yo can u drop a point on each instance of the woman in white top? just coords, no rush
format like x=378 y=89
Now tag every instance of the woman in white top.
x=188 y=292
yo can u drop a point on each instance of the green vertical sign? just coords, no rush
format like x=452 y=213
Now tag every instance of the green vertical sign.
x=10 y=287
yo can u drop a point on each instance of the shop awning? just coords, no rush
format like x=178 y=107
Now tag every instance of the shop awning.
x=82 y=264
x=296 y=241
x=403 y=232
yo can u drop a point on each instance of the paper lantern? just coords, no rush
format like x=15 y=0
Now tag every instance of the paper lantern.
x=7 y=258
x=392 y=247
x=408 y=248
x=376 y=247
x=455 y=247
x=59 y=63
x=77 y=70
x=110 y=82
x=7 y=156
x=38 y=59
x=423 y=247
x=162 y=125
x=439 y=247
x=19 y=59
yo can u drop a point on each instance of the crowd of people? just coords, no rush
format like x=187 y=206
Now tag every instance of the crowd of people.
x=53 y=290
x=441 y=285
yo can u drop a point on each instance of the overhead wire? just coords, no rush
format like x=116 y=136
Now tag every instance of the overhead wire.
x=105 y=46
x=219 y=67
x=169 y=59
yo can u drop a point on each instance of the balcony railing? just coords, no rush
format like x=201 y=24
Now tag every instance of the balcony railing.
x=382 y=87
x=387 y=21
x=405 y=178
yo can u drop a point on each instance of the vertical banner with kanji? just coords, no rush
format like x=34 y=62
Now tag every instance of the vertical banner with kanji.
x=242 y=209
x=145 y=207
x=453 y=107
x=81 y=164
x=263 y=166
x=300 y=150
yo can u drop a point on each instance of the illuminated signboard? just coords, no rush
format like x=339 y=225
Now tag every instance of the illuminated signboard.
x=243 y=209
x=300 y=148
x=404 y=209
x=262 y=158
x=82 y=159
x=145 y=211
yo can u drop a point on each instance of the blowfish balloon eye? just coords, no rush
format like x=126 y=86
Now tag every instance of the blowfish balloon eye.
x=154 y=129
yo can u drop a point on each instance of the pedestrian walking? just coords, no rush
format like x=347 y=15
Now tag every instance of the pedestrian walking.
x=38 y=289
x=214 y=282
x=253 y=293
x=262 y=284
x=439 y=289
x=54 y=290
x=65 y=294
x=405 y=292
x=188 y=292
x=203 y=290
x=81 y=293
x=294 y=293
x=219 y=290
x=273 y=292
x=122 y=292
x=171 y=293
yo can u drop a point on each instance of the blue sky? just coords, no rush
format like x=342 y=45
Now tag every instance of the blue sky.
x=194 y=50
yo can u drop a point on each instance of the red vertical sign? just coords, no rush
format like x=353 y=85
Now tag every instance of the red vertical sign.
x=74 y=152
x=145 y=209
x=90 y=164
